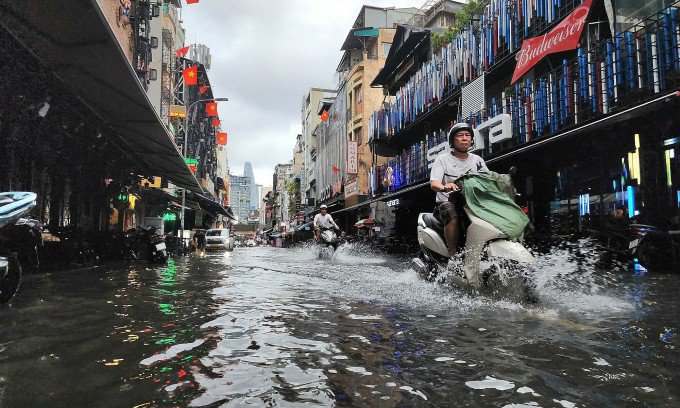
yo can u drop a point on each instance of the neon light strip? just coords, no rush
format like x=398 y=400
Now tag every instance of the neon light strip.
x=631 y=202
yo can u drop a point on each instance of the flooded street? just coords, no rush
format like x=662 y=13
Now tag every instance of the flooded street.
x=281 y=327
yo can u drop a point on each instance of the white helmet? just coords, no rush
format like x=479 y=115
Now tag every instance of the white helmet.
x=323 y=206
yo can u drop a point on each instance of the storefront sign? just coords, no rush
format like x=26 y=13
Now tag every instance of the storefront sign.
x=564 y=37
x=351 y=189
x=352 y=158
x=496 y=129
x=178 y=111
x=337 y=187
x=436 y=151
x=192 y=162
x=393 y=203
x=152 y=182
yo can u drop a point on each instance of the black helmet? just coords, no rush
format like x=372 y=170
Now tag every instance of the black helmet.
x=460 y=126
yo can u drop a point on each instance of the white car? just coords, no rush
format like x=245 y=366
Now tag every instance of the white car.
x=218 y=239
x=251 y=243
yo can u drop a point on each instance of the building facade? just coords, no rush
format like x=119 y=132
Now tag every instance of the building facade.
x=310 y=120
x=592 y=128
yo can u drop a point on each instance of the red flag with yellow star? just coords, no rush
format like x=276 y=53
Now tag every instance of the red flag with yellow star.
x=202 y=89
x=324 y=115
x=221 y=138
x=192 y=1
x=190 y=75
x=211 y=108
x=215 y=122
x=182 y=52
x=335 y=169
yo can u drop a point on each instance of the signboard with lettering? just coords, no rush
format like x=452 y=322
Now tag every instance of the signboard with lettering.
x=565 y=36
x=436 y=151
x=494 y=130
x=352 y=158
x=351 y=189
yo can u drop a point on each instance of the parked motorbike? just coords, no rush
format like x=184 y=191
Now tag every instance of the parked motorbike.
x=656 y=248
x=139 y=243
x=483 y=241
x=13 y=205
x=653 y=247
x=156 y=248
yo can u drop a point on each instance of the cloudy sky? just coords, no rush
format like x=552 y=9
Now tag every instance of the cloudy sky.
x=265 y=55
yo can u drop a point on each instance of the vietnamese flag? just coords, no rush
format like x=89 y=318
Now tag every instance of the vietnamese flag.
x=202 y=89
x=324 y=115
x=215 y=122
x=335 y=169
x=192 y=1
x=221 y=138
x=182 y=52
x=190 y=75
x=211 y=108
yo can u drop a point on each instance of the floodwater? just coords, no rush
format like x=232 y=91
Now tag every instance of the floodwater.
x=282 y=327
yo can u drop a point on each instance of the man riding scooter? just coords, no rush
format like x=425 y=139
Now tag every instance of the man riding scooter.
x=323 y=220
x=446 y=169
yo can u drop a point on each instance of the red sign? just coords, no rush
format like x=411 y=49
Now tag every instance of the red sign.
x=564 y=37
x=221 y=138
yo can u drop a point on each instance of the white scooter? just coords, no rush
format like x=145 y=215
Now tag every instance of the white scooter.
x=483 y=241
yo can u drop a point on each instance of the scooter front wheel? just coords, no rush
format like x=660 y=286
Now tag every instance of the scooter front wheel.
x=9 y=284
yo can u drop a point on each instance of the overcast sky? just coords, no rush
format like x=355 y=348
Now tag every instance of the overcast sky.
x=265 y=55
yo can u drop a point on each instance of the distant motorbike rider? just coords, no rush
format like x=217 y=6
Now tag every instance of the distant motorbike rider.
x=323 y=220
x=445 y=170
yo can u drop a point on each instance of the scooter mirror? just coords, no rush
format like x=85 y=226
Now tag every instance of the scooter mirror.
x=512 y=171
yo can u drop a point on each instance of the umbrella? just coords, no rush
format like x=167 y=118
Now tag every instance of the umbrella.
x=368 y=223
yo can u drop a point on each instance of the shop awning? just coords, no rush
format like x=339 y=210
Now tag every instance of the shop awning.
x=354 y=36
x=73 y=39
x=212 y=206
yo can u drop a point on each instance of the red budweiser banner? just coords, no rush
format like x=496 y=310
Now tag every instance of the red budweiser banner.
x=564 y=37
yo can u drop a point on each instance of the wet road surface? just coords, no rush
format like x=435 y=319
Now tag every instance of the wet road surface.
x=282 y=327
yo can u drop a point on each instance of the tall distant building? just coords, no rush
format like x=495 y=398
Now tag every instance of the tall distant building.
x=254 y=190
x=244 y=193
x=239 y=196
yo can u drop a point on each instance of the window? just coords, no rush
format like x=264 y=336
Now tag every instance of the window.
x=359 y=96
x=386 y=48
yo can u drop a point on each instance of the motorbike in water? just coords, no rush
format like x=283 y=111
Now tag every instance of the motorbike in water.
x=13 y=205
x=329 y=241
x=492 y=261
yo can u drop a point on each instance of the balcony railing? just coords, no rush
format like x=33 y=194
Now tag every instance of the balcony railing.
x=479 y=48
x=609 y=76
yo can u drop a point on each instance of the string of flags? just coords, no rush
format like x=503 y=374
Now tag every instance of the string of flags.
x=182 y=52
x=190 y=75
x=211 y=109
x=221 y=138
